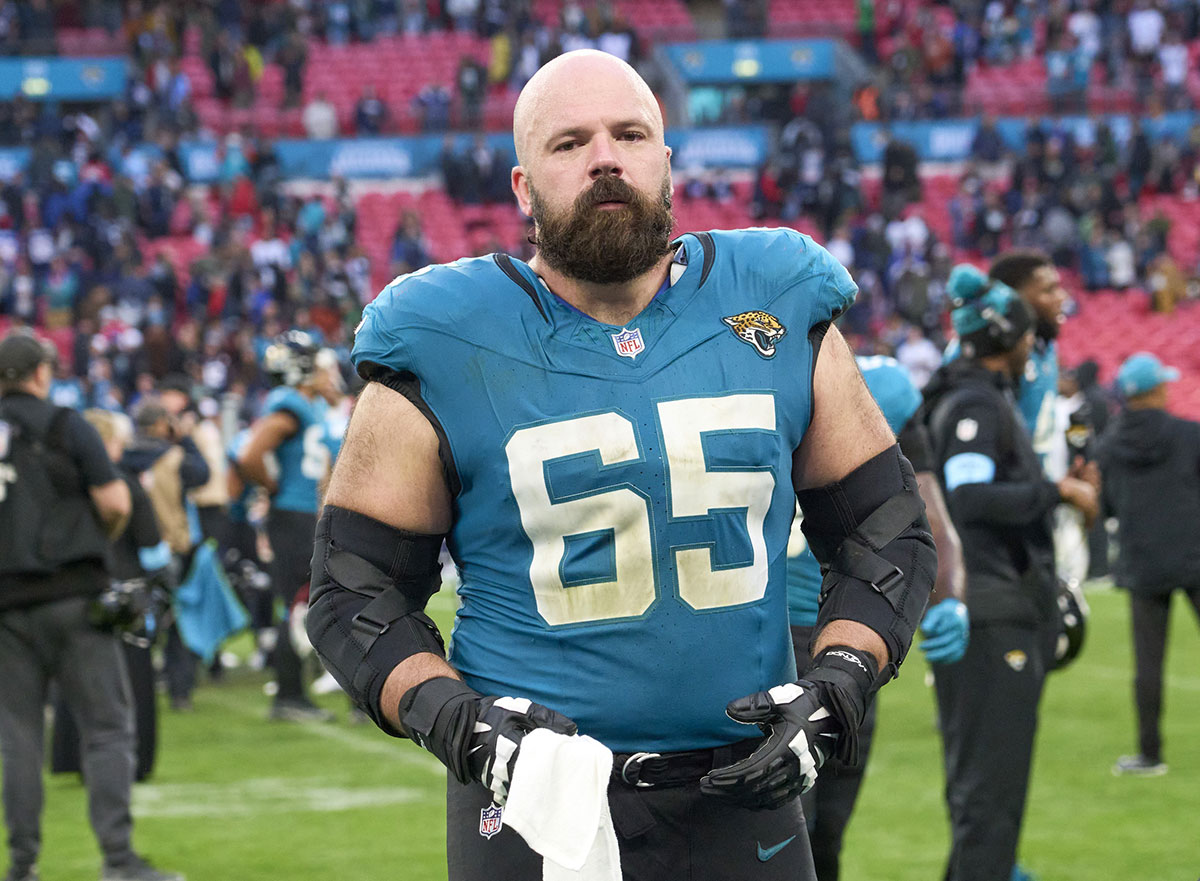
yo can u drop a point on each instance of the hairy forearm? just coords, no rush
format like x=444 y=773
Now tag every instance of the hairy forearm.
x=410 y=672
x=855 y=635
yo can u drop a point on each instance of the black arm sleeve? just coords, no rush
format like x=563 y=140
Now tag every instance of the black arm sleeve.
x=370 y=585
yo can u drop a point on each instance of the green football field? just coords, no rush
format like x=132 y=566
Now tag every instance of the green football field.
x=238 y=798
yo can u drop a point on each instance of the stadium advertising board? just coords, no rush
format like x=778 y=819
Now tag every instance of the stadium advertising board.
x=950 y=140
x=62 y=79
x=753 y=61
x=389 y=158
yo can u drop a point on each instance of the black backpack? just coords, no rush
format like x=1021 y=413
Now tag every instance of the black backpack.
x=46 y=515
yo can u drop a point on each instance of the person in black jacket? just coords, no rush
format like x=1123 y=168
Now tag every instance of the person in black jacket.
x=60 y=502
x=167 y=462
x=139 y=554
x=1150 y=464
x=1002 y=504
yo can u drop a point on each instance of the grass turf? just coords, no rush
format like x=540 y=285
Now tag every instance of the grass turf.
x=237 y=797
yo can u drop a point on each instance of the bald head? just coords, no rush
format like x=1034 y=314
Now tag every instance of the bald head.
x=573 y=82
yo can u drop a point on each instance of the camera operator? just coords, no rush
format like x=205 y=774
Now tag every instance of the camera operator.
x=60 y=501
x=167 y=463
x=139 y=563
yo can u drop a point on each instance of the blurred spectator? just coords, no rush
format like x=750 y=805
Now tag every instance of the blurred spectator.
x=410 y=251
x=433 y=106
x=472 y=83
x=320 y=118
x=988 y=144
x=370 y=113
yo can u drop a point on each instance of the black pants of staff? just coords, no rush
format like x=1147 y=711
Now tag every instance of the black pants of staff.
x=1151 y=614
x=829 y=804
x=988 y=709
x=65 y=749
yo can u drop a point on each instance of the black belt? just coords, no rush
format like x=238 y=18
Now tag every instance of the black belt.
x=646 y=769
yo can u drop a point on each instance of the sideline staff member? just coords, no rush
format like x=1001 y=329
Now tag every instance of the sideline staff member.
x=1002 y=505
x=61 y=501
x=1150 y=461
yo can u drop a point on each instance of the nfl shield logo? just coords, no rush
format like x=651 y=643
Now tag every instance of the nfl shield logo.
x=491 y=819
x=628 y=343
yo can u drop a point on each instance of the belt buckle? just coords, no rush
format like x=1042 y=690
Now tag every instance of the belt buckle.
x=634 y=764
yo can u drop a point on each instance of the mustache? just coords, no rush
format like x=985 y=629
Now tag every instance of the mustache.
x=607 y=189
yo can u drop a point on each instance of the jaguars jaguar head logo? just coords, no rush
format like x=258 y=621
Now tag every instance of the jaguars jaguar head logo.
x=761 y=330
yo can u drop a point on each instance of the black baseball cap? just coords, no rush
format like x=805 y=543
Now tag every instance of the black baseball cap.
x=20 y=354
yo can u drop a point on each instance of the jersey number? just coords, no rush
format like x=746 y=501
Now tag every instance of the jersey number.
x=315 y=461
x=625 y=512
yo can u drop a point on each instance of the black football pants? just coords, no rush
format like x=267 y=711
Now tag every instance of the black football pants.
x=664 y=834
x=1151 y=614
x=291 y=536
x=988 y=710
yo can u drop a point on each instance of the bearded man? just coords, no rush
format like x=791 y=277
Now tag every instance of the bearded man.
x=612 y=439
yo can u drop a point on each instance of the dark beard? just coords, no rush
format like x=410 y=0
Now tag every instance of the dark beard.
x=605 y=246
x=1045 y=329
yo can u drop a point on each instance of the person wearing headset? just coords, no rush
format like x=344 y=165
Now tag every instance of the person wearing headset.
x=1002 y=505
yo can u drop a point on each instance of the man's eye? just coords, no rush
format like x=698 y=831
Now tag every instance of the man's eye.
x=633 y=136
x=563 y=148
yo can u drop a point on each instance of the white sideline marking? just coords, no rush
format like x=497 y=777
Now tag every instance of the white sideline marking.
x=263 y=796
x=371 y=742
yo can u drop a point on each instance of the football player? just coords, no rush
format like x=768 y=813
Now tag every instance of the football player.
x=945 y=627
x=613 y=437
x=287 y=453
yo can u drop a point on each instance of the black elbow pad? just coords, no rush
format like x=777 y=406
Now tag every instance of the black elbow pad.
x=871 y=536
x=370 y=585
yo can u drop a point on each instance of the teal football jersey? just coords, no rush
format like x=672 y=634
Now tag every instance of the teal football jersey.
x=899 y=398
x=302 y=459
x=622 y=495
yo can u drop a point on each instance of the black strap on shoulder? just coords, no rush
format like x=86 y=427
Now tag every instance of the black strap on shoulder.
x=405 y=382
x=506 y=266
x=710 y=255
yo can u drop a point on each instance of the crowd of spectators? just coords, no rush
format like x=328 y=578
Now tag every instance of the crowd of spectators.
x=78 y=229
x=925 y=52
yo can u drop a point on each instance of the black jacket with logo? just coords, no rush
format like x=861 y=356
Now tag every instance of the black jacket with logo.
x=1004 y=518
x=1150 y=467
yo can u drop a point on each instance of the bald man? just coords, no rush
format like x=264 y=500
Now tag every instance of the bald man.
x=612 y=439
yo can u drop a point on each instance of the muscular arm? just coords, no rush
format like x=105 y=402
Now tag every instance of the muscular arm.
x=952 y=576
x=388 y=469
x=847 y=429
x=265 y=437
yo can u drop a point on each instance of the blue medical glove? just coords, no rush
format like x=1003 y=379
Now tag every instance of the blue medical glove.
x=946 y=629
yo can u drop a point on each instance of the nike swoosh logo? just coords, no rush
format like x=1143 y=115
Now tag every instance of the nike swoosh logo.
x=765 y=853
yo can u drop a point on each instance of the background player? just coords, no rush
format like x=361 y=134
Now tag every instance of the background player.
x=287 y=453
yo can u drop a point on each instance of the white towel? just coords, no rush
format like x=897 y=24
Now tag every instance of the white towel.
x=558 y=802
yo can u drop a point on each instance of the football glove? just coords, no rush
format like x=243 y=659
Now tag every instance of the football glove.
x=475 y=737
x=805 y=722
x=947 y=629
